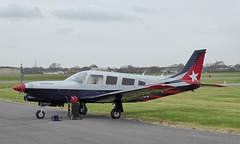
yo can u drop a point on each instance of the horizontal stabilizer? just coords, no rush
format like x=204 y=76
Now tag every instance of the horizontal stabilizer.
x=216 y=85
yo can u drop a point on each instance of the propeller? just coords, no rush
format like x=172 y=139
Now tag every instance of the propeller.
x=163 y=73
x=20 y=88
x=144 y=71
x=18 y=95
x=21 y=75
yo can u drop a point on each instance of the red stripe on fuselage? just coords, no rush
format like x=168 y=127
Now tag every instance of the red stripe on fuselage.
x=144 y=99
x=159 y=86
x=173 y=92
x=156 y=96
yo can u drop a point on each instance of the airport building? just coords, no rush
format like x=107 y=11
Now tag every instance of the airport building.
x=9 y=70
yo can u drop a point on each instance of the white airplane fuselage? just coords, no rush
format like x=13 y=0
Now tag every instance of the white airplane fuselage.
x=57 y=91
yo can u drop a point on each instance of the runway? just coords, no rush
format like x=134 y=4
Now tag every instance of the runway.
x=18 y=124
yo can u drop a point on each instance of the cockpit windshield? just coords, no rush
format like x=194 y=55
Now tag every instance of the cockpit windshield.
x=78 y=77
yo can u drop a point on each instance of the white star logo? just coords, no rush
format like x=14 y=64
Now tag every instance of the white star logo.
x=193 y=76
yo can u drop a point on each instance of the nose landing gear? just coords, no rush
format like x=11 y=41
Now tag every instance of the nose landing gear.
x=40 y=114
x=116 y=112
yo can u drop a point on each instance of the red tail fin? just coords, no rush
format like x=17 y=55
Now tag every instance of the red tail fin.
x=194 y=65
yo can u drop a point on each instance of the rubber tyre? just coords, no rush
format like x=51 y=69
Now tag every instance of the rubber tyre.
x=83 y=110
x=40 y=115
x=115 y=114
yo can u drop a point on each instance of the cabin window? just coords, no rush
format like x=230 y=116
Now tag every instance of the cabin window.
x=95 y=79
x=79 y=77
x=127 y=81
x=141 y=83
x=111 y=80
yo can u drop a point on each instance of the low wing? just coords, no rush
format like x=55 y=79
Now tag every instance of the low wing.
x=130 y=95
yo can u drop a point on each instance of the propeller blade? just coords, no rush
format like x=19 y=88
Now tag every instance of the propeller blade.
x=21 y=75
x=18 y=96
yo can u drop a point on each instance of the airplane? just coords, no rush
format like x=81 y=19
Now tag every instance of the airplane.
x=112 y=87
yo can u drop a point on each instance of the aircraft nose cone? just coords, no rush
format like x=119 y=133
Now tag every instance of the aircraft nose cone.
x=20 y=88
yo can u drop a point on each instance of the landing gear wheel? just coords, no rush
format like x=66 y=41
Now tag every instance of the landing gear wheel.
x=115 y=114
x=83 y=110
x=40 y=114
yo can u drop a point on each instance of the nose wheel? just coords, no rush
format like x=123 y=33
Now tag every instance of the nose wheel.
x=40 y=114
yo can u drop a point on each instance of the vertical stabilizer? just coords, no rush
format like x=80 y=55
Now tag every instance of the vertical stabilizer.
x=191 y=73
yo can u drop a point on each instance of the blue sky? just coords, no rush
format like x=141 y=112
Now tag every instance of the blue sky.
x=113 y=33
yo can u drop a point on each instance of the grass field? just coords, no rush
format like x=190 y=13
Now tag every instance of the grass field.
x=34 y=77
x=208 y=108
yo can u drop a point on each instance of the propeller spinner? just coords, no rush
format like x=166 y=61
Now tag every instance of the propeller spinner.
x=20 y=88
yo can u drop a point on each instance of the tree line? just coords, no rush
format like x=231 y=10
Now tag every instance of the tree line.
x=218 y=66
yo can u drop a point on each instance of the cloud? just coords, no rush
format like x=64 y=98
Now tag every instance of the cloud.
x=143 y=10
x=204 y=32
x=16 y=11
x=95 y=15
x=64 y=31
x=164 y=11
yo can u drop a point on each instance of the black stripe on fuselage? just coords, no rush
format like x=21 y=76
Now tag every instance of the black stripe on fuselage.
x=60 y=95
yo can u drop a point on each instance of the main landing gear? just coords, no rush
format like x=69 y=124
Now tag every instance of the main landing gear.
x=116 y=112
x=83 y=109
